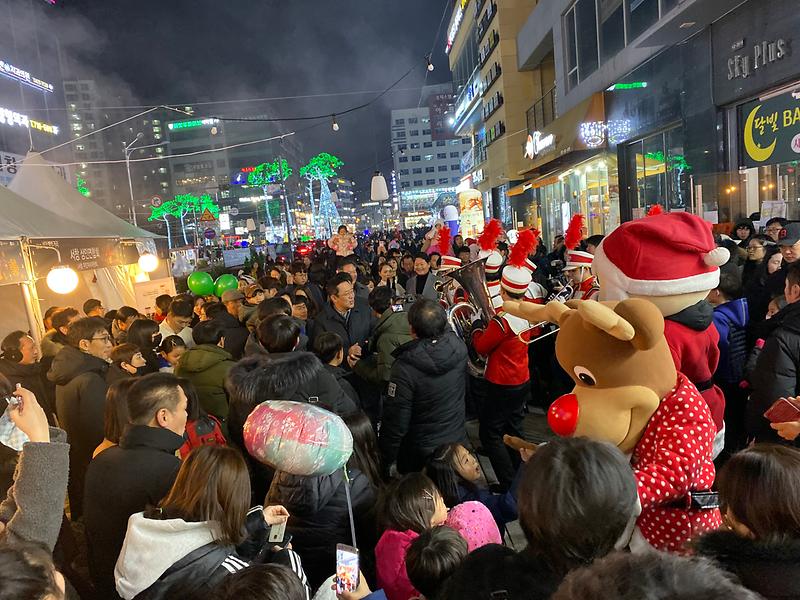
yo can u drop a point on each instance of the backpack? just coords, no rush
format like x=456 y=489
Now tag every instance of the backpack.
x=203 y=432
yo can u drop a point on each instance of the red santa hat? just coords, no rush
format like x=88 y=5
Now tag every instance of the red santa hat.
x=494 y=262
x=662 y=255
x=448 y=263
x=577 y=259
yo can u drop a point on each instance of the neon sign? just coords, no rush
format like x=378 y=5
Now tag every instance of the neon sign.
x=451 y=34
x=23 y=76
x=633 y=85
x=9 y=117
x=192 y=124
x=593 y=133
x=538 y=143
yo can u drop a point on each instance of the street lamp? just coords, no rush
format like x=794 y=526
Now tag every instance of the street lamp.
x=128 y=151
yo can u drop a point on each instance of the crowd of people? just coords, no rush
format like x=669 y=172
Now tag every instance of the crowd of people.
x=138 y=422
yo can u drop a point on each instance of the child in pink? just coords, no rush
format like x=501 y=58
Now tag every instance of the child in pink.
x=475 y=523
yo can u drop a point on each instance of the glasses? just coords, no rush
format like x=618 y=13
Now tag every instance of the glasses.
x=105 y=338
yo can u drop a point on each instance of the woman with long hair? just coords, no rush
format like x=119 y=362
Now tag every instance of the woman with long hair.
x=387 y=276
x=144 y=333
x=201 y=532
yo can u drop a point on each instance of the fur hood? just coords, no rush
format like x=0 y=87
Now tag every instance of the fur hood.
x=285 y=372
x=771 y=568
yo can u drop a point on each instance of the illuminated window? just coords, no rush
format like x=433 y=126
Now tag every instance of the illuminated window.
x=162 y=170
x=429 y=157
x=159 y=150
x=76 y=126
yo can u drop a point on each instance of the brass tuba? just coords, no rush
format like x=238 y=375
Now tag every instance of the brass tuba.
x=462 y=315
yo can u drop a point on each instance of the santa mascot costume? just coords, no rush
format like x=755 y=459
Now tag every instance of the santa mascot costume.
x=671 y=260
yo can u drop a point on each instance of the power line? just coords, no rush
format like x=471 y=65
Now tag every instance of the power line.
x=433 y=48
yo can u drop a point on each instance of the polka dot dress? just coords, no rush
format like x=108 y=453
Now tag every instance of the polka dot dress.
x=672 y=459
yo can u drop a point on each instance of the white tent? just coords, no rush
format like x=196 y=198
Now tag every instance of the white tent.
x=39 y=205
x=43 y=186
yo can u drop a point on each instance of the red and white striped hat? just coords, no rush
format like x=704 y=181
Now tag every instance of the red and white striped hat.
x=494 y=293
x=530 y=265
x=448 y=263
x=577 y=259
x=494 y=262
x=515 y=279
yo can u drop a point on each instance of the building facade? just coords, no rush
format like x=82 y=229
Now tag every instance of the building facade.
x=427 y=153
x=689 y=105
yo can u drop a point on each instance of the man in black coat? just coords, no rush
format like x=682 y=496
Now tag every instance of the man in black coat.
x=125 y=479
x=345 y=315
x=227 y=313
x=778 y=366
x=79 y=372
x=424 y=407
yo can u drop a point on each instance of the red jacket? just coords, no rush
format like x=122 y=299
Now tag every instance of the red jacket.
x=672 y=459
x=696 y=355
x=587 y=290
x=508 y=356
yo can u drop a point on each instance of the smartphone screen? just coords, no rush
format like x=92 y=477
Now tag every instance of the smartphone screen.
x=347 y=568
x=277 y=532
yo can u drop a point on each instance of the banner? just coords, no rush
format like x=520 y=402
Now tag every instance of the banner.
x=770 y=131
x=82 y=254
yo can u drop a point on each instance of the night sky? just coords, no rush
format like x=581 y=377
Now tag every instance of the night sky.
x=182 y=52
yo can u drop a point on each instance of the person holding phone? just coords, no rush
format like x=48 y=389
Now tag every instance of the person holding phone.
x=203 y=531
x=34 y=505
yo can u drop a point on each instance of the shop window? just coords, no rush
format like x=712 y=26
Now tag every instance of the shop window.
x=661 y=172
x=612 y=28
x=643 y=13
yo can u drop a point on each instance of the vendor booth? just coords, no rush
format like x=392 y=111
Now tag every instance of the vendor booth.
x=59 y=248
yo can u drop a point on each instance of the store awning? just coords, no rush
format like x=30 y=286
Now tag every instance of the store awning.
x=532 y=184
x=581 y=128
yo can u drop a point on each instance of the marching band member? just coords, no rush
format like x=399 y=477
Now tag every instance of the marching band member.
x=503 y=341
x=579 y=272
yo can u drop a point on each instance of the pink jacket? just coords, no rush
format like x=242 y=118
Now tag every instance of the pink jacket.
x=390 y=564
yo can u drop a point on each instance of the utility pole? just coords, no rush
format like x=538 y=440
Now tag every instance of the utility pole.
x=285 y=203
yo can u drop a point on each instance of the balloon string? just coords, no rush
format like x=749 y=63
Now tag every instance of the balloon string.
x=349 y=506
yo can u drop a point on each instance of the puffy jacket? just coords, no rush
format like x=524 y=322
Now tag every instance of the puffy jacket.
x=356 y=330
x=776 y=372
x=121 y=481
x=81 y=388
x=297 y=376
x=391 y=332
x=341 y=377
x=390 y=561
x=188 y=563
x=319 y=518
x=206 y=367
x=424 y=407
x=731 y=321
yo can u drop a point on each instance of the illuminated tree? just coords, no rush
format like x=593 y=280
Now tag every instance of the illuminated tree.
x=180 y=206
x=81 y=187
x=162 y=212
x=267 y=174
x=322 y=167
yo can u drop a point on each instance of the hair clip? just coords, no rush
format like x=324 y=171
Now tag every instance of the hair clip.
x=428 y=495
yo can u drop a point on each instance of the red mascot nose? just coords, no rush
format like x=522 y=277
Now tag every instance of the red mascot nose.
x=563 y=415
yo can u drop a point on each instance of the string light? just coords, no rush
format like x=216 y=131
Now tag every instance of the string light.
x=430 y=64
x=335 y=124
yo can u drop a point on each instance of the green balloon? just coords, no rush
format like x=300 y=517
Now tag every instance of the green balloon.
x=224 y=283
x=200 y=283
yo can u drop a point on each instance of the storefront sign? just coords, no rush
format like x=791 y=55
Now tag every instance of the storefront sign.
x=770 y=130
x=23 y=76
x=745 y=67
x=458 y=16
x=760 y=56
x=478 y=177
x=9 y=117
x=539 y=143
x=192 y=124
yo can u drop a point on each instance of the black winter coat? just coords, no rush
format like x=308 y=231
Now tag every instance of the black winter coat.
x=424 y=407
x=236 y=334
x=771 y=569
x=776 y=373
x=319 y=518
x=81 y=388
x=342 y=378
x=123 y=480
x=33 y=378
x=495 y=568
x=356 y=330
x=296 y=376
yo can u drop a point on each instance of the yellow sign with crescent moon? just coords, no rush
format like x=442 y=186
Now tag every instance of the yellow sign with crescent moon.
x=770 y=131
x=756 y=152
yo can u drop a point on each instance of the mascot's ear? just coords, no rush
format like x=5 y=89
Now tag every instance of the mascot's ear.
x=646 y=319
x=605 y=319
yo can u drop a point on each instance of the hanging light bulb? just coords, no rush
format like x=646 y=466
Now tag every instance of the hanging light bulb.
x=148 y=262
x=335 y=124
x=379 y=190
x=430 y=64
x=62 y=279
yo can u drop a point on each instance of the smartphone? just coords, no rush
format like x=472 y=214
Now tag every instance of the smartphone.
x=5 y=401
x=277 y=533
x=783 y=411
x=347 y=568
